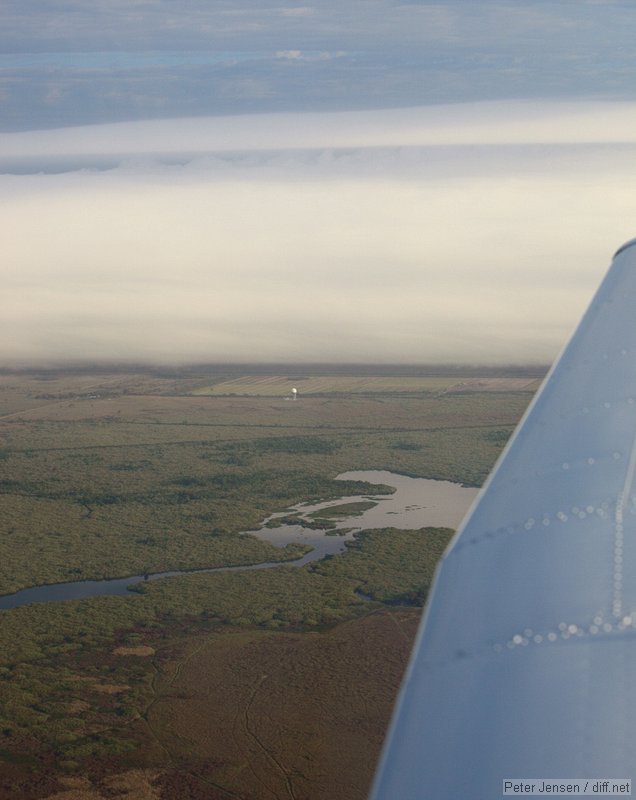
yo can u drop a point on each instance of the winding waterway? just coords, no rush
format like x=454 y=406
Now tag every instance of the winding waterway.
x=416 y=503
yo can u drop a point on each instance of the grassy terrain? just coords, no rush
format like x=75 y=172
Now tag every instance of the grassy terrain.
x=318 y=383
x=108 y=474
x=282 y=733
x=342 y=510
x=281 y=386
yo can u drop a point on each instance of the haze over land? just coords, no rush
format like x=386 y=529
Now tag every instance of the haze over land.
x=406 y=185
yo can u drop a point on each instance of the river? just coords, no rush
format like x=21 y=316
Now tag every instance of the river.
x=416 y=503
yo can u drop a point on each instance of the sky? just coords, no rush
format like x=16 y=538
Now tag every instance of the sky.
x=397 y=182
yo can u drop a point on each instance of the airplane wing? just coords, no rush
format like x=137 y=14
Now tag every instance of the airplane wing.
x=525 y=665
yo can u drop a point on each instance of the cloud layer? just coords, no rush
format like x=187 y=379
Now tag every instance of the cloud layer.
x=485 y=123
x=390 y=247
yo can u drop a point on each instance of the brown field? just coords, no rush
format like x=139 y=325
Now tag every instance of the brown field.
x=306 y=713
x=264 y=716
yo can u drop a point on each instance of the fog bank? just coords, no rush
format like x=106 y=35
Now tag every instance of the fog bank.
x=486 y=250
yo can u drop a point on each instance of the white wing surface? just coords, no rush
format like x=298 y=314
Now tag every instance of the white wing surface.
x=525 y=666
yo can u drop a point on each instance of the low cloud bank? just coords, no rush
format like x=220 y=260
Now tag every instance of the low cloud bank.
x=500 y=123
x=385 y=242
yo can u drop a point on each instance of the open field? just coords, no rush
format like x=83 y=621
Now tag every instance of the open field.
x=114 y=473
x=281 y=740
x=282 y=386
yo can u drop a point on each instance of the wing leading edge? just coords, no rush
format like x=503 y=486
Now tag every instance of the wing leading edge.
x=525 y=665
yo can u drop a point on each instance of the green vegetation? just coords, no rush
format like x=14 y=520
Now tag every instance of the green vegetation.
x=49 y=652
x=113 y=474
x=343 y=510
x=113 y=487
x=498 y=437
x=177 y=523
x=390 y=565
x=295 y=444
x=296 y=519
